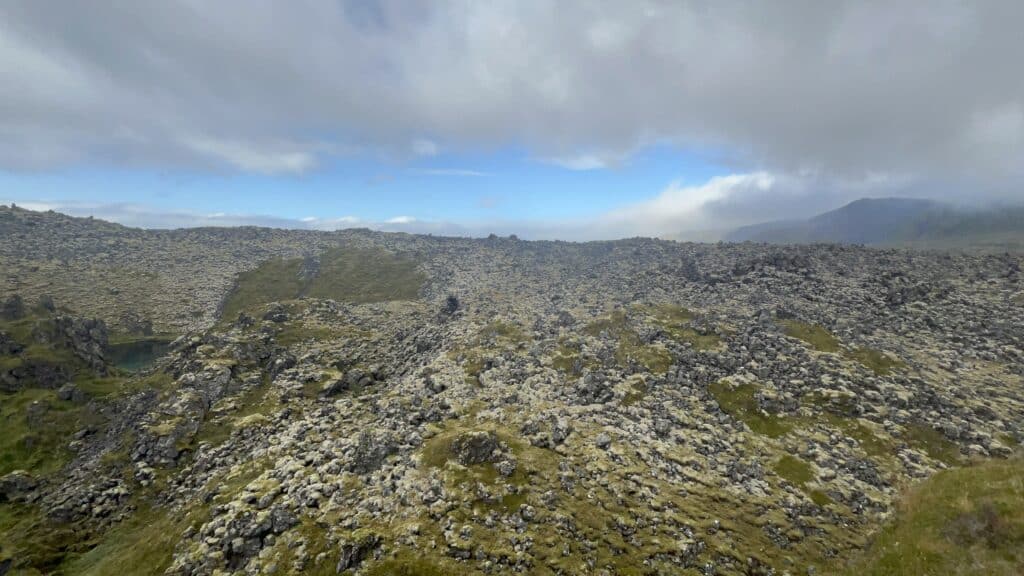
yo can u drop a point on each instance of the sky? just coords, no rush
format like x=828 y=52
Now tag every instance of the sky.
x=571 y=119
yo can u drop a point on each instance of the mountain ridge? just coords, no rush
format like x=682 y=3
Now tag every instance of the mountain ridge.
x=896 y=221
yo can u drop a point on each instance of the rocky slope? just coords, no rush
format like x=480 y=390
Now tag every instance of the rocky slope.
x=395 y=404
x=899 y=222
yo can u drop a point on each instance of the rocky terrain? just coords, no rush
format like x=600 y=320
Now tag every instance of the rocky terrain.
x=367 y=403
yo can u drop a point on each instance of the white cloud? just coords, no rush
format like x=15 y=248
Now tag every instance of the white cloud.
x=246 y=157
x=453 y=172
x=588 y=161
x=400 y=220
x=422 y=147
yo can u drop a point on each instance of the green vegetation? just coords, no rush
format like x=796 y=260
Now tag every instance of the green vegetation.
x=496 y=338
x=629 y=348
x=967 y=521
x=675 y=321
x=794 y=470
x=409 y=564
x=437 y=453
x=932 y=442
x=345 y=274
x=637 y=392
x=819 y=338
x=740 y=402
x=245 y=409
x=878 y=362
x=141 y=545
x=34 y=430
x=823 y=341
x=298 y=331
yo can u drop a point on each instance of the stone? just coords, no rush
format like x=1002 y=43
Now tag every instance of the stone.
x=476 y=448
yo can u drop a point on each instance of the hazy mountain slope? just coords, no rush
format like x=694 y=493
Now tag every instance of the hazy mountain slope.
x=894 y=221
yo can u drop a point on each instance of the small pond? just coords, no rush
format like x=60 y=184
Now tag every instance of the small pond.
x=137 y=355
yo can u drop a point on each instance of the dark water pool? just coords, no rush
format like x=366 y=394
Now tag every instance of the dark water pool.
x=138 y=354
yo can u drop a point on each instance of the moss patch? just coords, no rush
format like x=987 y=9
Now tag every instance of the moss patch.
x=740 y=402
x=34 y=430
x=142 y=545
x=932 y=442
x=344 y=274
x=819 y=338
x=879 y=363
x=629 y=348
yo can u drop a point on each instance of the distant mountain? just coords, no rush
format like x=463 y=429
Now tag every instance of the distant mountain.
x=897 y=221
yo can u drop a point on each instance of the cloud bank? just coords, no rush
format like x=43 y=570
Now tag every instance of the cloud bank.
x=842 y=88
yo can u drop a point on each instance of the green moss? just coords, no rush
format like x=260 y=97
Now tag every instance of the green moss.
x=8 y=363
x=740 y=402
x=820 y=498
x=271 y=281
x=932 y=442
x=35 y=544
x=298 y=331
x=142 y=545
x=794 y=470
x=637 y=392
x=967 y=521
x=411 y=564
x=344 y=274
x=878 y=362
x=668 y=313
x=358 y=275
x=675 y=321
x=613 y=325
x=629 y=348
x=507 y=331
x=39 y=446
x=819 y=338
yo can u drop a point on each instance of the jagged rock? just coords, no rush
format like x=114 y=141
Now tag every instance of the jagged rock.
x=16 y=486
x=13 y=308
x=71 y=393
x=276 y=313
x=8 y=346
x=353 y=553
x=476 y=448
x=370 y=452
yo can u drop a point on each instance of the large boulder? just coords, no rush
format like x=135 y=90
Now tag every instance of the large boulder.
x=476 y=448
x=16 y=486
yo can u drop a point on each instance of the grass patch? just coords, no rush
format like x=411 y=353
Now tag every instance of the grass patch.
x=819 y=338
x=298 y=331
x=932 y=442
x=674 y=321
x=740 y=402
x=344 y=274
x=34 y=430
x=879 y=363
x=141 y=545
x=34 y=544
x=629 y=348
x=967 y=521
x=637 y=392
x=794 y=470
x=409 y=564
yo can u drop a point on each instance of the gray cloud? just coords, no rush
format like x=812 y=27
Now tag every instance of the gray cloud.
x=843 y=89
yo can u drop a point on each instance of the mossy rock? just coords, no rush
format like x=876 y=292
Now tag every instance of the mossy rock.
x=816 y=336
x=740 y=402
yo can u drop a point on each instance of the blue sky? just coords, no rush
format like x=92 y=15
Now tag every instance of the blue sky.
x=549 y=119
x=508 y=185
